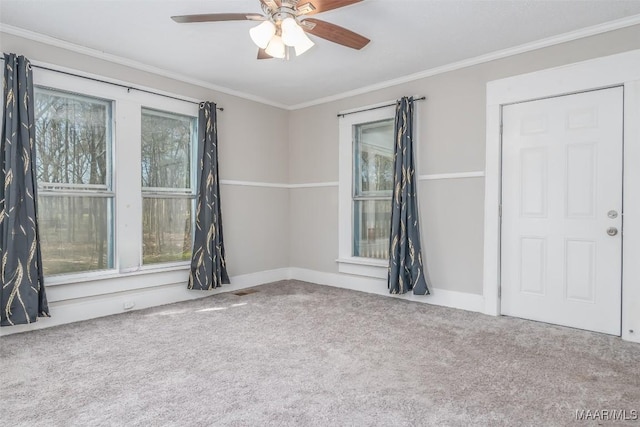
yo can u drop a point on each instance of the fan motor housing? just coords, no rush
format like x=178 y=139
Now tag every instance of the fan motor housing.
x=283 y=13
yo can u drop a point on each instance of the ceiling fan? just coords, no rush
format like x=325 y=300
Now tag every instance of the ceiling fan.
x=285 y=24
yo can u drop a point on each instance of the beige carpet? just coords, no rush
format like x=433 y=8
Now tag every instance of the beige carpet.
x=294 y=353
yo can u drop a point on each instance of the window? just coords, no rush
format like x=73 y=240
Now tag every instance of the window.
x=167 y=186
x=365 y=191
x=115 y=171
x=75 y=197
x=373 y=185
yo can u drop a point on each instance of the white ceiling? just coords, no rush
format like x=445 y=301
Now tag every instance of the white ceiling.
x=408 y=37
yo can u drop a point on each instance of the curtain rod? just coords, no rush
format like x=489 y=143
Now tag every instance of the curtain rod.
x=422 y=98
x=129 y=88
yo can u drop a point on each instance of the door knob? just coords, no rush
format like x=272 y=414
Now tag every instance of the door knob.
x=612 y=231
x=612 y=214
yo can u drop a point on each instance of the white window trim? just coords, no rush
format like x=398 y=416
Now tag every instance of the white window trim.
x=347 y=263
x=126 y=156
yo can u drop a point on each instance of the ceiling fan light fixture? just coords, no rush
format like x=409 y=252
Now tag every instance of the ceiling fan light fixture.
x=263 y=34
x=284 y=24
x=303 y=45
x=292 y=33
x=276 y=47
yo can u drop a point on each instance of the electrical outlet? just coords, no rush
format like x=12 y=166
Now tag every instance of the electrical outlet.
x=128 y=305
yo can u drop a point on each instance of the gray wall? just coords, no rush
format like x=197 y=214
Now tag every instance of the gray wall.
x=451 y=139
x=270 y=228
x=255 y=218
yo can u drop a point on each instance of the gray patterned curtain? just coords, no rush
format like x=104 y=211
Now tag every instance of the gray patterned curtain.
x=405 y=256
x=208 y=268
x=22 y=296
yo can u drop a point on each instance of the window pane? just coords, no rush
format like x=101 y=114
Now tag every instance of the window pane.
x=167 y=234
x=73 y=143
x=71 y=138
x=373 y=158
x=75 y=233
x=166 y=149
x=372 y=221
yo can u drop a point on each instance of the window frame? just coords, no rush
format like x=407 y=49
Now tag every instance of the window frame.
x=126 y=181
x=347 y=263
x=173 y=193
x=102 y=191
x=358 y=194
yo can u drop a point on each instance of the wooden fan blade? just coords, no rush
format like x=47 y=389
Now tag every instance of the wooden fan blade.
x=325 y=5
x=271 y=4
x=262 y=54
x=335 y=33
x=216 y=17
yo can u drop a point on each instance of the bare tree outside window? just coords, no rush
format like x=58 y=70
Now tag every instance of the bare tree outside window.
x=167 y=186
x=372 y=190
x=75 y=201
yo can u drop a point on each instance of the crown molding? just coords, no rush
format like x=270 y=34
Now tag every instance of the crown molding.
x=527 y=47
x=52 y=41
x=499 y=54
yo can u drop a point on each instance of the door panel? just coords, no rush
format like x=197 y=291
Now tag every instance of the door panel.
x=533 y=261
x=561 y=175
x=534 y=183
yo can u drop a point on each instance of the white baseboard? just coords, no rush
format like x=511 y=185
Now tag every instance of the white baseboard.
x=84 y=306
x=90 y=307
x=454 y=299
x=255 y=279
x=75 y=308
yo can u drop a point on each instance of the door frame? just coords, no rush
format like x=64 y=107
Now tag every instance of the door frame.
x=616 y=70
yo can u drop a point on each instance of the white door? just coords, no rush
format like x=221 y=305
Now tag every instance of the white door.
x=561 y=235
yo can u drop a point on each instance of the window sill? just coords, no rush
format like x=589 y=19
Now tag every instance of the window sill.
x=93 y=276
x=368 y=267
